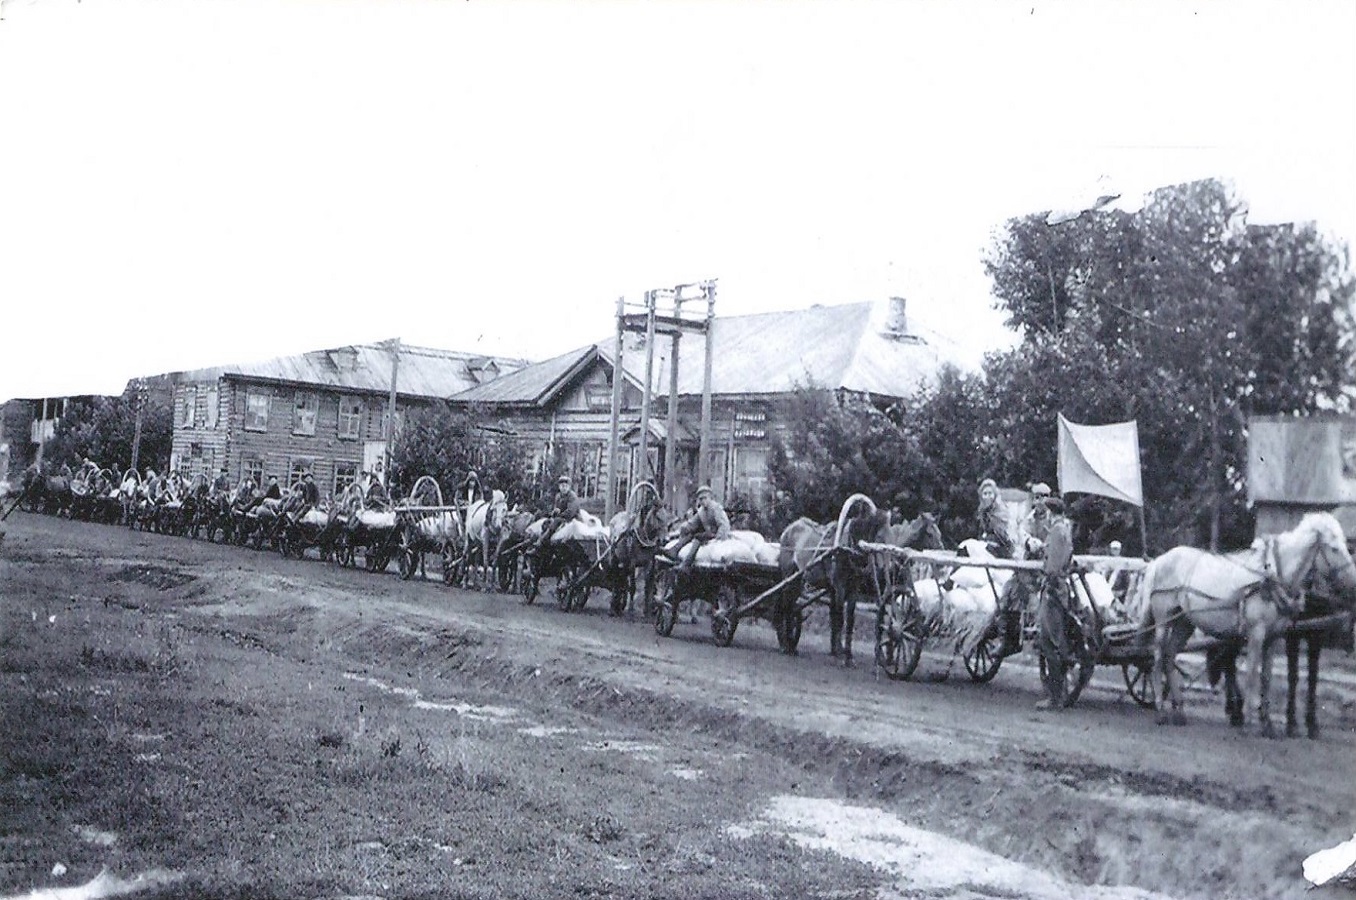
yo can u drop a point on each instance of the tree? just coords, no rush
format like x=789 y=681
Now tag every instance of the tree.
x=103 y=429
x=1180 y=316
x=447 y=442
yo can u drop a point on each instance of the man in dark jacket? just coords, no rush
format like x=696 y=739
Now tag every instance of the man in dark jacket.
x=565 y=508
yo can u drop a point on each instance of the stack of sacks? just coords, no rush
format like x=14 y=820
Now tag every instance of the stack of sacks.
x=962 y=612
x=976 y=578
x=1102 y=597
x=583 y=527
x=371 y=518
x=437 y=525
x=764 y=553
x=315 y=517
x=717 y=553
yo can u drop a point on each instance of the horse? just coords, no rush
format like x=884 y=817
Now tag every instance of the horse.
x=1252 y=596
x=828 y=558
x=1321 y=624
x=46 y=493
x=484 y=525
x=637 y=535
x=515 y=536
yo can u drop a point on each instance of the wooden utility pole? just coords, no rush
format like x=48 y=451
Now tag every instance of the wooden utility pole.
x=671 y=424
x=650 y=301
x=704 y=441
x=613 y=435
x=394 y=346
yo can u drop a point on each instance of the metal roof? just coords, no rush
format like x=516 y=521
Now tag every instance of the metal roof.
x=838 y=347
x=423 y=372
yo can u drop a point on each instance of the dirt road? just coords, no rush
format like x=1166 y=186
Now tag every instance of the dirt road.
x=927 y=788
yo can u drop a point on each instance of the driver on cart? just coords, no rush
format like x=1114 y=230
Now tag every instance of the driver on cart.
x=708 y=522
x=565 y=508
x=1017 y=592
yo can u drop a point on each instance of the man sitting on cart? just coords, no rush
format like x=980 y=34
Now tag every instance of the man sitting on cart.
x=565 y=508
x=708 y=522
x=1058 y=627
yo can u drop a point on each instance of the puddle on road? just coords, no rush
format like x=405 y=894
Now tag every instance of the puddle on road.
x=647 y=752
x=465 y=710
x=686 y=774
x=104 y=885
x=546 y=731
x=918 y=860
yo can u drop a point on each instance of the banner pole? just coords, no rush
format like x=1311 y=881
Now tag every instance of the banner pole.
x=1143 y=535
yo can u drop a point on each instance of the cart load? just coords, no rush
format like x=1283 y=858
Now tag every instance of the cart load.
x=376 y=519
x=583 y=527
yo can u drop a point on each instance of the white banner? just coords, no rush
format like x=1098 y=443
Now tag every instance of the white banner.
x=1100 y=459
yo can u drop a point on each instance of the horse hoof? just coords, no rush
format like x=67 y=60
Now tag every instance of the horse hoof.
x=1267 y=731
x=1236 y=721
x=1313 y=731
x=1291 y=729
x=849 y=663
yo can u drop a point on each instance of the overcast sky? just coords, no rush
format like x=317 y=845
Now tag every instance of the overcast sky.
x=186 y=183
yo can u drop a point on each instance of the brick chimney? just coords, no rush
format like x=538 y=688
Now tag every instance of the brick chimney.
x=896 y=318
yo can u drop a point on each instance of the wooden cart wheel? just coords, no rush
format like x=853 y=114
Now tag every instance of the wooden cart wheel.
x=666 y=604
x=723 y=629
x=1076 y=677
x=983 y=662
x=1138 y=684
x=531 y=583
x=898 y=646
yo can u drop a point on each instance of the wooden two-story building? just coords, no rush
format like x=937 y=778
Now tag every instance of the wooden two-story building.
x=323 y=411
x=561 y=408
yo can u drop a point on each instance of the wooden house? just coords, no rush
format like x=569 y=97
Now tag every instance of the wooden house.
x=562 y=407
x=323 y=411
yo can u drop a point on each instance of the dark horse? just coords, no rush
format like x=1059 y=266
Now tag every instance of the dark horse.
x=637 y=534
x=829 y=559
x=1323 y=623
x=46 y=493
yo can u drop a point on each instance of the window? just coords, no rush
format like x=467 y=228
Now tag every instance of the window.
x=598 y=396
x=213 y=406
x=751 y=471
x=350 y=417
x=344 y=475
x=307 y=405
x=256 y=411
x=254 y=470
x=188 y=406
x=300 y=466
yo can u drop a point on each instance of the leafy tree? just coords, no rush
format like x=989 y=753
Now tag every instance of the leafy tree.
x=104 y=429
x=1180 y=316
x=838 y=445
x=446 y=443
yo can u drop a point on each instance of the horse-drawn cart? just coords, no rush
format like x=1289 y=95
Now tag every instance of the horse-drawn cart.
x=736 y=591
x=959 y=607
x=425 y=524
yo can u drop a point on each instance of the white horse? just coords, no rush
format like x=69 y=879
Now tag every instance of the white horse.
x=484 y=525
x=1252 y=595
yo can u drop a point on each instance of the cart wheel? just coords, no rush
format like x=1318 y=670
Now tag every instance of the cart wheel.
x=983 y=662
x=1076 y=677
x=284 y=550
x=723 y=629
x=563 y=591
x=898 y=648
x=405 y=557
x=449 y=564
x=1138 y=684
x=618 y=605
x=666 y=608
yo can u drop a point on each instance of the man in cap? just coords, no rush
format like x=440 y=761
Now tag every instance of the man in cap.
x=1036 y=525
x=1058 y=633
x=274 y=490
x=310 y=494
x=565 y=508
x=221 y=484
x=708 y=522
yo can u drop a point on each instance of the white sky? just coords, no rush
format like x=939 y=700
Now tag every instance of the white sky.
x=185 y=183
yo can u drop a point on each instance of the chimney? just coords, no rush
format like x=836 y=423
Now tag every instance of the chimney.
x=896 y=320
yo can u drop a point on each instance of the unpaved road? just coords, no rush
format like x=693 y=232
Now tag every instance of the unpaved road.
x=937 y=788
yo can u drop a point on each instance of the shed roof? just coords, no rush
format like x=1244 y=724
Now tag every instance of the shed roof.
x=423 y=371
x=838 y=347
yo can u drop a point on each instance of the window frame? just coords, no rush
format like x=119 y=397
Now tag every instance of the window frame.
x=305 y=404
x=253 y=421
x=354 y=419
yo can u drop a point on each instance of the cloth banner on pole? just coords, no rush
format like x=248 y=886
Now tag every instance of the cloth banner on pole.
x=1100 y=459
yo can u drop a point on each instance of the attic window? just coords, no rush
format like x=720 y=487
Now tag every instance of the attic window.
x=598 y=396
